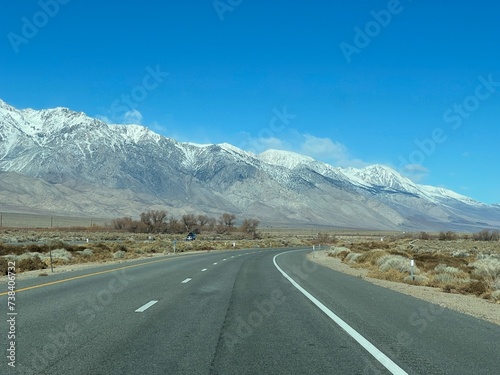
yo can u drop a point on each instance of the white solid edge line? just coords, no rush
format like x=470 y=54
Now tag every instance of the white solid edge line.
x=376 y=353
x=186 y=281
x=146 y=306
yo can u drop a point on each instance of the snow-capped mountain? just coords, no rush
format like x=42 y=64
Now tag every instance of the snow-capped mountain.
x=65 y=161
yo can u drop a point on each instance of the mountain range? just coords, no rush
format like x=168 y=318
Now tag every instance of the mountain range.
x=62 y=161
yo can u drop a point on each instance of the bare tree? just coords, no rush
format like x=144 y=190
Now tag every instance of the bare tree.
x=189 y=221
x=154 y=220
x=202 y=220
x=174 y=226
x=211 y=223
x=227 y=219
x=124 y=223
x=250 y=226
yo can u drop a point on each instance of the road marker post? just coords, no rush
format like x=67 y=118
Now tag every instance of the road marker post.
x=50 y=255
x=412 y=266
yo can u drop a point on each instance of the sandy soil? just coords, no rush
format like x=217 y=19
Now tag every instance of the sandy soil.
x=466 y=304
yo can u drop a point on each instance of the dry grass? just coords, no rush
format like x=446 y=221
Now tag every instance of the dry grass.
x=462 y=265
x=71 y=246
x=465 y=266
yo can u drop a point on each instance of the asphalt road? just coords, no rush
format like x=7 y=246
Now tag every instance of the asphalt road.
x=235 y=312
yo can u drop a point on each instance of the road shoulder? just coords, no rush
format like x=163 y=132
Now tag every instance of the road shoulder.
x=466 y=304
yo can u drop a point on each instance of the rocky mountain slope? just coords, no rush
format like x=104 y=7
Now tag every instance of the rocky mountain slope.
x=59 y=160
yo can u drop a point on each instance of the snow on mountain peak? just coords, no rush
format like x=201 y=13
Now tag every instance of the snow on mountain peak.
x=287 y=159
x=439 y=192
x=134 y=133
x=33 y=122
x=5 y=106
x=77 y=134
x=231 y=148
x=40 y=123
x=381 y=176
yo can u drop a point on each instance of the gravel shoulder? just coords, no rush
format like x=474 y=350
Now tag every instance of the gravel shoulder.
x=466 y=304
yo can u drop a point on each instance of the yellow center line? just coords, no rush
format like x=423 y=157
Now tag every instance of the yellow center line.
x=87 y=275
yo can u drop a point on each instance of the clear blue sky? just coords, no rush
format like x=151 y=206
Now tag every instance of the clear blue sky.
x=401 y=83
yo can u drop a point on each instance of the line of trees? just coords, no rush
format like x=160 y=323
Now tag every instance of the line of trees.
x=158 y=221
x=484 y=235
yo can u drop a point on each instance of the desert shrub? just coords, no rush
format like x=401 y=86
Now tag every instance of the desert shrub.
x=487 y=267
x=3 y=266
x=55 y=244
x=10 y=249
x=324 y=238
x=342 y=255
x=34 y=248
x=30 y=264
x=461 y=254
x=428 y=261
x=395 y=262
x=291 y=242
x=336 y=251
x=101 y=247
x=447 y=236
x=372 y=256
x=449 y=278
x=486 y=235
x=120 y=247
x=366 y=246
x=424 y=236
x=390 y=275
x=477 y=287
x=85 y=252
x=119 y=255
x=496 y=284
x=416 y=279
x=352 y=257
x=443 y=268
x=495 y=295
x=62 y=254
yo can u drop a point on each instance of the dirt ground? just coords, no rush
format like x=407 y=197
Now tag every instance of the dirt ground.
x=466 y=304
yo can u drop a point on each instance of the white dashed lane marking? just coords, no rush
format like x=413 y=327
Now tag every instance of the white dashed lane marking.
x=146 y=306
